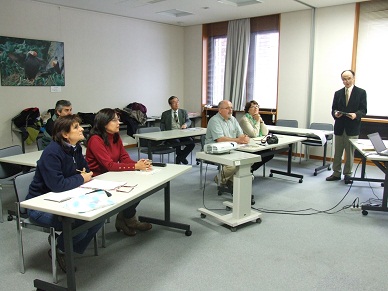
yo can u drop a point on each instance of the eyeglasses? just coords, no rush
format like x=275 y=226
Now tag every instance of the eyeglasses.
x=255 y=106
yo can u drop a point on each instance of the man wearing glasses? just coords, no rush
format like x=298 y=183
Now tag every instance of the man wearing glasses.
x=224 y=127
x=177 y=118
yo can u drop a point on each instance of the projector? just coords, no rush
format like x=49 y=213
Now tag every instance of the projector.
x=220 y=147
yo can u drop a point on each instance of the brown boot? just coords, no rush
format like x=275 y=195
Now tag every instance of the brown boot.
x=136 y=224
x=121 y=225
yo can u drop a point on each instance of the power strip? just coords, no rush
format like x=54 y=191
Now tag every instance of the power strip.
x=355 y=208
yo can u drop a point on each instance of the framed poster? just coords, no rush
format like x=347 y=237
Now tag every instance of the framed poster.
x=30 y=62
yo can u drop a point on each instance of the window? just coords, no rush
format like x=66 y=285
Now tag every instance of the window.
x=216 y=70
x=262 y=78
x=262 y=75
x=371 y=55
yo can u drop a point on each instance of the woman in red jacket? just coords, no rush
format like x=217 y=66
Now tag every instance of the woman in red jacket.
x=105 y=152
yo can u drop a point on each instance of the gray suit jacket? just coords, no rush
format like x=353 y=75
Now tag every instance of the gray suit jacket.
x=166 y=120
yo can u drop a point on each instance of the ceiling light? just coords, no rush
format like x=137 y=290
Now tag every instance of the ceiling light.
x=239 y=3
x=175 y=12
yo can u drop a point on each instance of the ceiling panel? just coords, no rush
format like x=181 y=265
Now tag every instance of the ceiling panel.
x=199 y=11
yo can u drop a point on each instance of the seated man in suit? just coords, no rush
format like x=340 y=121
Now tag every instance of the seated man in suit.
x=224 y=127
x=177 y=118
x=62 y=108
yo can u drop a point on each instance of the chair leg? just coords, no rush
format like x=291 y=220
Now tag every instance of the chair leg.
x=19 y=229
x=53 y=254
x=264 y=170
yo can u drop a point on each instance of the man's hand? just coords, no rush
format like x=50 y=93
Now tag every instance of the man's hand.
x=243 y=139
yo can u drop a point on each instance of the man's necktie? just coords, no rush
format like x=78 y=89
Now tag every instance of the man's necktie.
x=175 y=117
x=347 y=95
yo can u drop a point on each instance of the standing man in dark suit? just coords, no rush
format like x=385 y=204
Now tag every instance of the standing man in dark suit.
x=349 y=106
x=177 y=118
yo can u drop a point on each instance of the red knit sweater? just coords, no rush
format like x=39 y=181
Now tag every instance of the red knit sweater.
x=102 y=158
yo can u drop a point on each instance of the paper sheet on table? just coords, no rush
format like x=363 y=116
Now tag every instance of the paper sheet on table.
x=66 y=195
x=148 y=172
x=102 y=184
x=88 y=202
x=321 y=136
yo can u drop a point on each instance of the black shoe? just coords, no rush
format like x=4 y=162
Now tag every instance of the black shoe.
x=347 y=180
x=333 y=178
x=177 y=160
x=183 y=160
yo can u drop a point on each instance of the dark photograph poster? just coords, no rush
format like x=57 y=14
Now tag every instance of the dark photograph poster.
x=30 y=62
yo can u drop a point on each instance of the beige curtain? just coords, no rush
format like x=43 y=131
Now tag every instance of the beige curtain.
x=236 y=63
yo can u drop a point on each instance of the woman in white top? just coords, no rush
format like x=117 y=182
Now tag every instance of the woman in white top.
x=253 y=125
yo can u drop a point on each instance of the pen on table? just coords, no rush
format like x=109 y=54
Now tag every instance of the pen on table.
x=81 y=171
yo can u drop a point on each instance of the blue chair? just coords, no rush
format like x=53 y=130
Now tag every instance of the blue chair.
x=288 y=123
x=329 y=139
x=8 y=171
x=142 y=145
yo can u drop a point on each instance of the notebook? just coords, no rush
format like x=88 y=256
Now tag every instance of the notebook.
x=378 y=144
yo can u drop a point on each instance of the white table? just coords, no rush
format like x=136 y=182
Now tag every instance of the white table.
x=170 y=135
x=28 y=159
x=148 y=183
x=311 y=134
x=365 y=148
x=285 y=141
x=242 y=188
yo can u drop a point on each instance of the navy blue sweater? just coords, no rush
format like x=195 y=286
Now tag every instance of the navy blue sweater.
x=56 y=170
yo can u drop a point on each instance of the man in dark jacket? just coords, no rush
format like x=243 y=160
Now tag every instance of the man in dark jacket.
x=349 y=106
x=62 y=108
x=177 y=118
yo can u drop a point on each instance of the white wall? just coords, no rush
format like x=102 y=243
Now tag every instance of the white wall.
x=110 y=61
x=333 y=54
x=294 y=56
x=334 y=32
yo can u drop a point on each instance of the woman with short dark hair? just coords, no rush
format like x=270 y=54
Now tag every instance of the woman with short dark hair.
x=62 y=167
x=253 y=126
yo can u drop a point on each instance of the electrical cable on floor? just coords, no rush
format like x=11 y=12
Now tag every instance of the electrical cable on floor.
x=314 y=211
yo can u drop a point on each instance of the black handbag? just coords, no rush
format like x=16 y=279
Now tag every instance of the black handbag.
x=270 y=139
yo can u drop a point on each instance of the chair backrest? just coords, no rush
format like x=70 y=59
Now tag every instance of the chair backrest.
x=143 y=142
x=323 y=126
x=39 y=143
x=287 y=122
x=8 y=170
x=22 y=185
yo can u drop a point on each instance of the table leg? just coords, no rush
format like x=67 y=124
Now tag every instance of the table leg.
x=324 y=164
x=69 y=258
x=167 y=215
x=288 y=173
